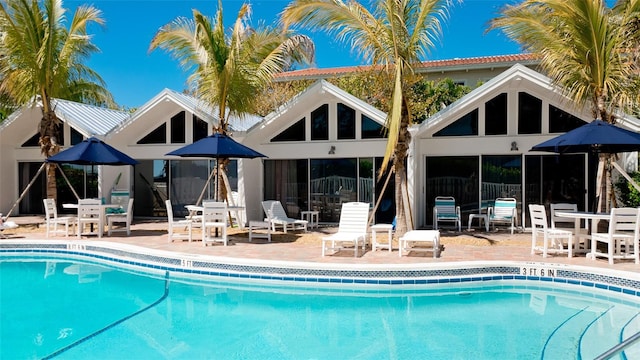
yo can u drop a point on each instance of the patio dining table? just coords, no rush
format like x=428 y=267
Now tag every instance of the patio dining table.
x=591 y=219
x=103 y=213
x=194 y=210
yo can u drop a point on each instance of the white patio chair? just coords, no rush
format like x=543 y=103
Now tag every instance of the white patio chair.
x=214 y=222
x=503 y=211
x=179 y=229
x=90 y=213
x=552 y=239
x=621 y=238
x=352 y=228
x=445 y=210
x=277 y=216
x=121 y=218
x=567 y=223
x=52 y=220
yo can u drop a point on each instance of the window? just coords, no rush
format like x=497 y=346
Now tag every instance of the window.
x=320 y=123
x=371 y=129
x=294 y=132
x=177 y=128
x=346 y=122
x=200 y=128
x=456 y=176
x=561 y=121
x=157 y=136
x=76 y=137
x=495 y=118
x=529 y=114
x=34 y=141
x=466 y=125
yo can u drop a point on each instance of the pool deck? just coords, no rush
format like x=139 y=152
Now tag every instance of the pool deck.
x=475 y=245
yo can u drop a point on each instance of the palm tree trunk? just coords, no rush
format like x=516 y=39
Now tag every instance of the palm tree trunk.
x=49 y=145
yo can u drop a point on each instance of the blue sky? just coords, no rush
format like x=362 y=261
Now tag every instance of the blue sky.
x=134 y=76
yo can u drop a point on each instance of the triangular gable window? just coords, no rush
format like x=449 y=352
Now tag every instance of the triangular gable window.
x=346 y=122
x=464 y=126
x=294 y=132
x=320 y=123
x=529 y=114
x=34 y=141
x=371 y=129
x=561 y=121
x=495 y=115
x=76 y=137
x=200 y=128
x=177 y=128
x=157 y=136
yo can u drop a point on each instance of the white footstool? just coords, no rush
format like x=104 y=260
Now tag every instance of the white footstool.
x=263 y=226
x=413 y=237
x=388 y=228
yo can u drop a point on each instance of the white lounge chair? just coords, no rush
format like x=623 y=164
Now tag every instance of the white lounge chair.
x=503 y=211
x=352 y=228
x=121 y=218
x=552 y=238
x=277 y=216
x=445 y=210
x=52 y=220
x=178 y=229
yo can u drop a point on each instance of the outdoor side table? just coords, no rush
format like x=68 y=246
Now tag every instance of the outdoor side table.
x=381 y=228
x=481 y=218
x=311 y=216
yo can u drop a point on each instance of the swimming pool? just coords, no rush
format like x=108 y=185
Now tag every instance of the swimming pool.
x=68 y=303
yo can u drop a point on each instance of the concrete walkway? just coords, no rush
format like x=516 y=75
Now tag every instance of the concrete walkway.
x=299 y=246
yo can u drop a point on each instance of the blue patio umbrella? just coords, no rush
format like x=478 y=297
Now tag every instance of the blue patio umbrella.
x=218 y=146
x=92 y=151
x=595 y=137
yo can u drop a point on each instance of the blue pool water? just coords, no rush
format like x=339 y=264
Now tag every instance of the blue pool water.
x=65 y=309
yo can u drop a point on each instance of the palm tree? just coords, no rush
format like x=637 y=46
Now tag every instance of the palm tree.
x=42 y=59
x=585 y=47
x=396 y=35
x=228 y=70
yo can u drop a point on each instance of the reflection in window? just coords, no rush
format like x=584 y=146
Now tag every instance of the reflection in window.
x=157 y=136
x=177 y=128
x=287 y=181
x=295 y=132
x=346 y=122
x=529 y=114
x=187 y=178
x=561 y=121
x=200 y=129
x=333 y=182
x=455 y=176
x=320 y=123
x=495 y=118
x=466 y=125
x=501 y=177
x=371 y=129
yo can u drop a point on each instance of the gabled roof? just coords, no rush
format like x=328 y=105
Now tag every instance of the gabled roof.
x=198 y=107
x=473 y=63
x=320 y=88
x=89 y=120
x=468 y=101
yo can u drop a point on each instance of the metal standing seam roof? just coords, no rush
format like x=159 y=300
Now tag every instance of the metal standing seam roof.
x=89 y=119
x=236 y=123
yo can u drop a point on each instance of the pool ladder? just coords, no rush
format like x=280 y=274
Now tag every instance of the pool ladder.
x=618 y=348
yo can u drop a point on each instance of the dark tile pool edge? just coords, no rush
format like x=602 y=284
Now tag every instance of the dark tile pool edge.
x=447 y=273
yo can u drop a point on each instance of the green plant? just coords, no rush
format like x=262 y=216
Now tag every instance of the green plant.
x=627 y=194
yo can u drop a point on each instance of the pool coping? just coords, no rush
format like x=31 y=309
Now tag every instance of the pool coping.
x=310 y=273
